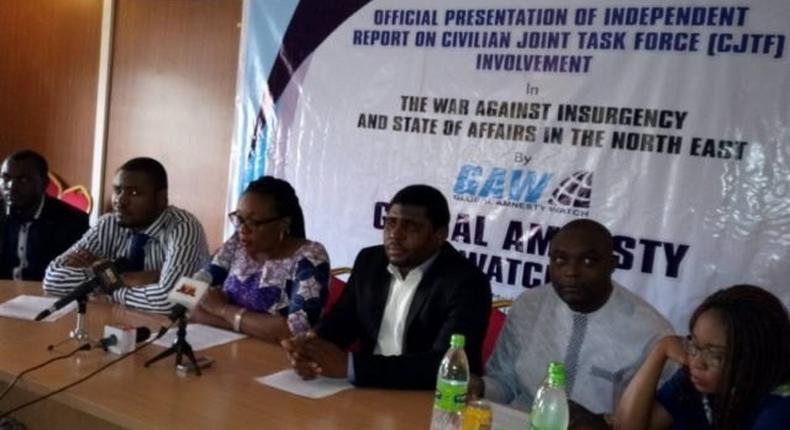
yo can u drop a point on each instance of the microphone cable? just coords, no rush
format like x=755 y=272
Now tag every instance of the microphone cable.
x=18 y=377
x=161 y=333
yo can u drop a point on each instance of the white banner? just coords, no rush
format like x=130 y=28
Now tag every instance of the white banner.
x=668 y=124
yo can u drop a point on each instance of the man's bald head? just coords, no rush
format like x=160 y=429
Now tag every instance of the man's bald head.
x=581 y=264
x=589 y=229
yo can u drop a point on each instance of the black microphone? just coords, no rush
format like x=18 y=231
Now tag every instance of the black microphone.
x=121 y=264
x=141 y=334
x=76 y=294
x=107 y=275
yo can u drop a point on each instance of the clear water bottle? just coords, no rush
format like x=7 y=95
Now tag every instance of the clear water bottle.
x=451 y=385
x=550 y=409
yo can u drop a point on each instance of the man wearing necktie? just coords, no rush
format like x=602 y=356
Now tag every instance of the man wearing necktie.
x=599 y=329
x=151 y=243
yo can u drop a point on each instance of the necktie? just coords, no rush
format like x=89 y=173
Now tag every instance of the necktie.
x=574 y=347
x=136 y=255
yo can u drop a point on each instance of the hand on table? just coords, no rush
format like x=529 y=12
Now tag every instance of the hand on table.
x=582 y=419
x=135 y=279
x=312 y=356
x=214 y=301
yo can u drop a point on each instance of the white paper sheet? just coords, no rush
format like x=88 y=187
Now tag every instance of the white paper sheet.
x=507 y=418
x=288 y=380
x=26 y=307
x=201 y=337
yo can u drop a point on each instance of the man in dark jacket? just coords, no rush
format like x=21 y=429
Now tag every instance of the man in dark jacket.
x=35 y=227
x=402 y=303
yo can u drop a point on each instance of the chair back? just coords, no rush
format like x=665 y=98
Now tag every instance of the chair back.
x=78 y=197
x=54 y=186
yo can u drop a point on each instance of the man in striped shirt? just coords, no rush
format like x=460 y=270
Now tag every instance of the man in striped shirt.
x=152 y=244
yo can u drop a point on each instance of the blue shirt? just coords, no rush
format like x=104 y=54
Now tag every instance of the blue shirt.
x=685 y=405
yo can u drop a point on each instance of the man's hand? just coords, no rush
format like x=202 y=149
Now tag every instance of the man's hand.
x=312 y=356
x=583 y=419
x=303 y=366
x=135 y=279
x=80 y=258
x=476 y=388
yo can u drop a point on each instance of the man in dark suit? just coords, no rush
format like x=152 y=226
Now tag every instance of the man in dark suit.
x=36 y=228
x=402 y=303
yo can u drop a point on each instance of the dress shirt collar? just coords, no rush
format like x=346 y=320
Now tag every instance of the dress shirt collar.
x=421 y=269
x=155 y=228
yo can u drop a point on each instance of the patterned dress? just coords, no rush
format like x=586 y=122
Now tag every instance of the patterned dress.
x=295 y=287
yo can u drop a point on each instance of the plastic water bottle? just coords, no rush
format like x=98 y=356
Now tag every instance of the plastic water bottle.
x=550 y=409
x=451 y=384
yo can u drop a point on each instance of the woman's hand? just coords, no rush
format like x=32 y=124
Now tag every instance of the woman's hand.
x=214 y=302
x=672 y=348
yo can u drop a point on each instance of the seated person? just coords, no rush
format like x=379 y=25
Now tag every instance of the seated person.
x=736 y=369
x=35 y=227
x=402 y=303
x=152 y=244
x=267 y=267
x=600 y=330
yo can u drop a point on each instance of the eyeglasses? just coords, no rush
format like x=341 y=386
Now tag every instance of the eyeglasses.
x=713 y=356
x=253 y=224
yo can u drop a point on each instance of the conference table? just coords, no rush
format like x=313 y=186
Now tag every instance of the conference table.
x=130 y=396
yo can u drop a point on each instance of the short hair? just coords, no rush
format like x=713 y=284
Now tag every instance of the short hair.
x=286 y=203
x=427 y=197
x=151 y=168
x=757 y=355
x=589 y=225
x=38 y=161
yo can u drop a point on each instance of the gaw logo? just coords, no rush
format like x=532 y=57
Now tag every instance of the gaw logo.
x=574 y=191
x=527 y=189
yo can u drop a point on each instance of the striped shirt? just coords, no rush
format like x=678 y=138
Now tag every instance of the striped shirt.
x=177 y=247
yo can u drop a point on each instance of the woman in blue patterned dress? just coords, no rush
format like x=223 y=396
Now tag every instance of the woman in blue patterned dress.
x=274 y=281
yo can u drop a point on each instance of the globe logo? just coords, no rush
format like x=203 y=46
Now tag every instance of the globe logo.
x=573 y=191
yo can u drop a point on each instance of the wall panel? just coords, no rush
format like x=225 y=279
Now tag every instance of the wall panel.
x=49 y=59
x=172 y=91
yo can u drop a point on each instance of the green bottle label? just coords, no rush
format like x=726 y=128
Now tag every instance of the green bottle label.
x=450 y=395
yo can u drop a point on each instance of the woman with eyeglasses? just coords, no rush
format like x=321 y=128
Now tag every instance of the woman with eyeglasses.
x=736 y=372
x=274 y=281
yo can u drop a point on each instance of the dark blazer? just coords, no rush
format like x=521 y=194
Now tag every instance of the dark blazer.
x=58 y=226
x=453 y=297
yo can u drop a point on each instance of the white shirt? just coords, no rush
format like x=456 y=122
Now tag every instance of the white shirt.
x=616 y=341
x=401 y=293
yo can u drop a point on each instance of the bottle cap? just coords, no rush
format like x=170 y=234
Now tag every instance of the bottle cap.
x=557 y=373
x=457 y=340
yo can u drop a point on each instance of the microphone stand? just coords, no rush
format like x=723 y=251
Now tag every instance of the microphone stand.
x=80 y=332
x=180 y=346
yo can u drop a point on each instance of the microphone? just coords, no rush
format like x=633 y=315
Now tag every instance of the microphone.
x=186 y=295
x=121 y=264
x=78 y=293
x=121 y=339
x=107 y=275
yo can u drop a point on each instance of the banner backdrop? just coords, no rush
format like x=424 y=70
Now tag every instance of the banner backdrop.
x=669 y=124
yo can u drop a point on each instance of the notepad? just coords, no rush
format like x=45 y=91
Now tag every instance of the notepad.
x=201 y=337
x=26 y=307
x=288 y=380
